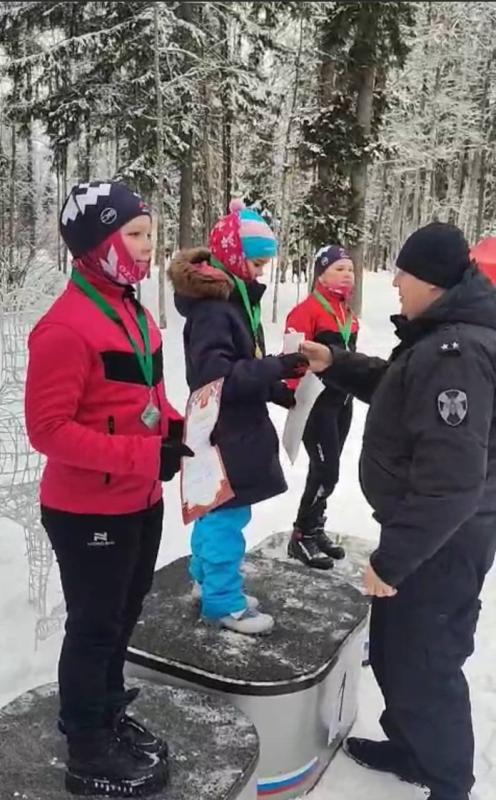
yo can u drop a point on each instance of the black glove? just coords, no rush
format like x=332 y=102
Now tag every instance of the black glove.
x=294 y=365
x=282 y=395
x=170 y=457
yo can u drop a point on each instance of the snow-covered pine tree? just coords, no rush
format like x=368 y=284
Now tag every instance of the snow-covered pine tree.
x=439 y=131
x=359 y=42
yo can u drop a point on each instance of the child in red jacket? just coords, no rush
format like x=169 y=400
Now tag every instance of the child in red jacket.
x=324 y=317
x=96 y=407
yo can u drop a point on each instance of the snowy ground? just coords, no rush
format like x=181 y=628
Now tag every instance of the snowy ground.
x=21 y=667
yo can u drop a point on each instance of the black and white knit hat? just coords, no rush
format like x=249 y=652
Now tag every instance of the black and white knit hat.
x=93 y=211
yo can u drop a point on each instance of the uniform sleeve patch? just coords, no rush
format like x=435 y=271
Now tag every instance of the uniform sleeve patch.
x=452 y=405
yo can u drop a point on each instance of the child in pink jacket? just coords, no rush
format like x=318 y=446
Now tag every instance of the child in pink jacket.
x=96 y=407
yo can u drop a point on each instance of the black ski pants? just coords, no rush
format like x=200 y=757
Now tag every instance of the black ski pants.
x=106 y=567
x=324 y=437
x=419 y=641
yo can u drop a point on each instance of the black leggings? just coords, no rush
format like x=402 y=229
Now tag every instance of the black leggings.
x=324 y=438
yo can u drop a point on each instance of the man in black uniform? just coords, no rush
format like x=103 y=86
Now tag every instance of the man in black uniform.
x=428 y=469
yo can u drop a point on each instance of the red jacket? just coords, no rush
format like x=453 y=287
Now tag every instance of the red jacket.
x=85 y=394
x=312 y=319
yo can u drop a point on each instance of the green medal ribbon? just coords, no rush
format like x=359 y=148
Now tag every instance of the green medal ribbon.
x=145 y=359
x=254 y=312
x=344 y=328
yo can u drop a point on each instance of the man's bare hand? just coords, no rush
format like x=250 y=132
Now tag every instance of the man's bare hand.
x=374 y=586
x=319 y=356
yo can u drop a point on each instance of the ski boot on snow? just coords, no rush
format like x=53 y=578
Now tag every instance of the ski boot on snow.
x=305 y=548
x=127 y=729
x=383 y=756
x=101 y=764
x=196 y=594
x=249 y=622
x=327 y=546
x=325 y=543
x=313 y=547
x=130 y=731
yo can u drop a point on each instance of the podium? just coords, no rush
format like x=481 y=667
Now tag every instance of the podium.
x=298 y=685
x=213 y=746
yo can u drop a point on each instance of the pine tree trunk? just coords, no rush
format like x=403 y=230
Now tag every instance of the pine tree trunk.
x=300 y=253
x=3 y=183
x=227 y=158
x=398 y=211
x=378 y=227
x=426 y=198
x=87 y=148
x=186 y=12
x=403 y=227
x=485 y=124
x=117 y=150
x=416 y=200
x=287 y=177
x=30 y=200
x=451 y=193
x=227 y=118
x=309 y=254
x=12 y=195
x=358 y=179
x=481 y=195
x=64 y=195
x=469 y=226
x=59 y=208
x=186 y=199
x=161 y=182
x=208 y=188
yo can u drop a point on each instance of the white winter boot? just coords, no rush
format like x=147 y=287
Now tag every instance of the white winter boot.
x=250 y=622
x=196 y=594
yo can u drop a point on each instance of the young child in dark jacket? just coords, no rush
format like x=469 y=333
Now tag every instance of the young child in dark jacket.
x=324 y=317
x=218 y=292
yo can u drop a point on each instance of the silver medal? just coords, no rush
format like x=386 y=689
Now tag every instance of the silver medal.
x=151 y=415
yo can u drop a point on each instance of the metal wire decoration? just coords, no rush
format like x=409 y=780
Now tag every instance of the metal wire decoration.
x=21 y=466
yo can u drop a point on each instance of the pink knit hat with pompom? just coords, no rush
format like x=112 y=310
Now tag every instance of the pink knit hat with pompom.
x=240 y=236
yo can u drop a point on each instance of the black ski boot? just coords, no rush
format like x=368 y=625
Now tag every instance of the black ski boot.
x=100 y=764
x=383 y=757
x=327 y=546
x=325 y=543
x=306 y=549
x=131 y=732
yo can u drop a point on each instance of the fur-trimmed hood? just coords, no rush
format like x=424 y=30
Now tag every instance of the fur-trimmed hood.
x=195 y=280
x=192 y=276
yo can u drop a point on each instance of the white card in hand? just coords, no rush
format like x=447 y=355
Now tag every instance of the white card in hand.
x=309 y=388
x=292 y=341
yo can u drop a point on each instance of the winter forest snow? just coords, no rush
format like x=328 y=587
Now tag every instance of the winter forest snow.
x=350 y=122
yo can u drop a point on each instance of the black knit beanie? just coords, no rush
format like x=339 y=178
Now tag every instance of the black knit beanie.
x=438 y=254
x=95 y=210
x=327 y=256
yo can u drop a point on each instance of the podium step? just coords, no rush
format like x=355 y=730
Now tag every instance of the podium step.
x=298 y=685
x=213 y=746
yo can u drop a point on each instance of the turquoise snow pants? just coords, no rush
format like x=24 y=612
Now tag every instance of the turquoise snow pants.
x=218 y=548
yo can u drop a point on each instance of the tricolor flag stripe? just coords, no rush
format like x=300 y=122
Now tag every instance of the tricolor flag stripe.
x=269 y=787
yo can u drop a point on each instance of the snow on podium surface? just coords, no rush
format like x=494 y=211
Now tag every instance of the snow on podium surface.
x=213 y=747
x=298 y=685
